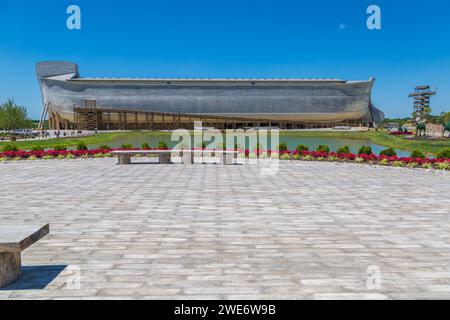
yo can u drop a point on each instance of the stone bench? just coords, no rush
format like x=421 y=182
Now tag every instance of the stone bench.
x=13 y=240
x=188 y=156
x=124 y=156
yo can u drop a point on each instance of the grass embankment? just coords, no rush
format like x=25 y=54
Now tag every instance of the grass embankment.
x=72 y=142
x=380 y=138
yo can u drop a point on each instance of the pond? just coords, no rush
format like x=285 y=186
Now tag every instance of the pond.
x=292 y=142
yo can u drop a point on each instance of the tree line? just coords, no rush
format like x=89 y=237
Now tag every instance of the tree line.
x=442 y=118
x=14 y=116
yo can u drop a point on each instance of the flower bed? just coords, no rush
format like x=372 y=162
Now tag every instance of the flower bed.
x=411 y=162
x=60 y=154
x=427 y=163
x=40 y=154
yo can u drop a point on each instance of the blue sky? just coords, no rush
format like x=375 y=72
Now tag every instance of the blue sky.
x=232 y=38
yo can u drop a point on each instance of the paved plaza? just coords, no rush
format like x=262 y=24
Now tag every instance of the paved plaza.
x=147 y=231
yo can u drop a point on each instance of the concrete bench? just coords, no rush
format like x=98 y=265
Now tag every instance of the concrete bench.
x=13 y=240
x=124 y=156
x=188 y=156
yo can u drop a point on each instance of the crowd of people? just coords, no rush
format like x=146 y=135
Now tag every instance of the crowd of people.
x=46 y=134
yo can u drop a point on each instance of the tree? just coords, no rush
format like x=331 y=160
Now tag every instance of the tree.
x=13 y=116
x=446 y=117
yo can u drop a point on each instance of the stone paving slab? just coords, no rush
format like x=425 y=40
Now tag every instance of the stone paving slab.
x=15 y=237
x=226 y=232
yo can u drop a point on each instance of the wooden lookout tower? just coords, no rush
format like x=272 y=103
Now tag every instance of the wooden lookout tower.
x=422 y=96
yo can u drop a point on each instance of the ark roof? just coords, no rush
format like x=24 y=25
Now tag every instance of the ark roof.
x=207 y=80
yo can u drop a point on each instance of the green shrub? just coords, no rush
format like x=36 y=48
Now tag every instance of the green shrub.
x=285 y=156
x=145 y=146
x=444 y=154
x=333 y=159
x=62 y=148
x=412 y=165
x=344 y=149
x=37 y=148
x=297 y=157
x=127 y=146
x=323 y=148
x=398 y=164
x=365 y=150
x=81 y=146
x=383 y=162
x=359 y=160
x=282 y=147
x=9 y=147
x=417 y=154
x=390 y=152
x=163 y=145
x=443 y=166
x=302 y=147
x=427 y=166
x=105 y=147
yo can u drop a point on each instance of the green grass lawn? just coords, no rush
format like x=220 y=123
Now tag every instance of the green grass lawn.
x=380 y=138
x=71 y=142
